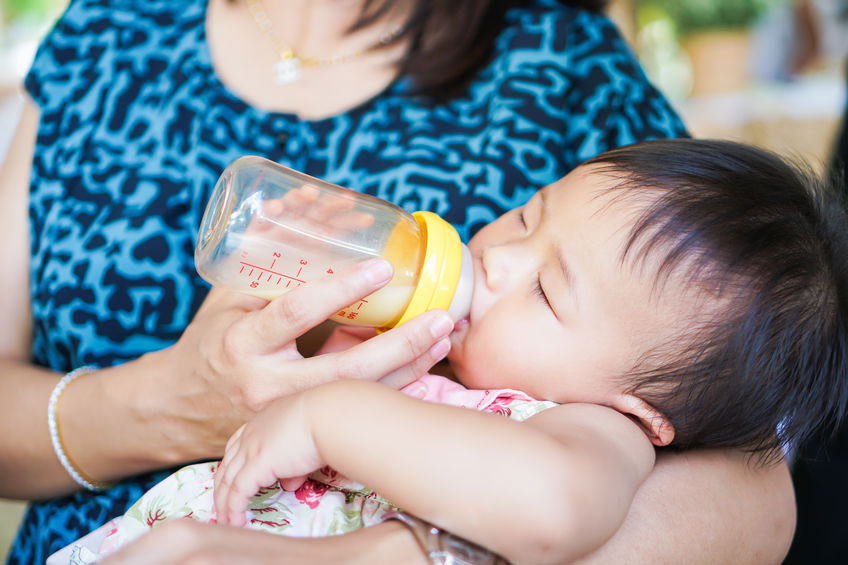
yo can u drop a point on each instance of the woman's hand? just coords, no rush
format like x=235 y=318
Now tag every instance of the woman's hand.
x=186 y=541
x=239 y=354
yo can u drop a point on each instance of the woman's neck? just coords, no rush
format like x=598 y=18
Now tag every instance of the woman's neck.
x=320 y=28
x=244 y=52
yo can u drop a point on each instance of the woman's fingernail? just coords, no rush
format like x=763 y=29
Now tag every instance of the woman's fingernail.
x=440 y=348
x=441 y=326
x=378 y=270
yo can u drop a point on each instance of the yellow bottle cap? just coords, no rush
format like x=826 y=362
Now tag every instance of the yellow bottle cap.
x=440 y=268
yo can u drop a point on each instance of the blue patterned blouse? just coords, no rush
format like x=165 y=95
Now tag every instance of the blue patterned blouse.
x=136 y=127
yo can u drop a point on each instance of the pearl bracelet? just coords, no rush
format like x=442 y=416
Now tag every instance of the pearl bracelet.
x=54 y=430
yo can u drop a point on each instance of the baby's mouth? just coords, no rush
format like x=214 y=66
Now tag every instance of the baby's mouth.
x=461 y=324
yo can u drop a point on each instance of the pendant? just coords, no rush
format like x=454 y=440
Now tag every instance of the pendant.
x=287 y=71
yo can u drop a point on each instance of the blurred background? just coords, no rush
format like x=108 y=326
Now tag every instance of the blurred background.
x=768 y=72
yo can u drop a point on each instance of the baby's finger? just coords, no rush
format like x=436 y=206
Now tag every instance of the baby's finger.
x=410 y=343
x=223 y=485
x=226 y=461
x=244 y=485
x=293 y=483
x=234 y=438
x=292 y=314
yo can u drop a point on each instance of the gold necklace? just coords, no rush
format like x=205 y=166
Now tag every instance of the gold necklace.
x=290 y=65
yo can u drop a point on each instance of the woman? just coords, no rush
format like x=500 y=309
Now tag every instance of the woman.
x=462 y=109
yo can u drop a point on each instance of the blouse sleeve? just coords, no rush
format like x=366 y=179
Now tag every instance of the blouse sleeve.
x=62 y=63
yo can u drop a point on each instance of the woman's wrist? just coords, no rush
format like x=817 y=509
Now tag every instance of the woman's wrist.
x=56 y=432
x=390 y=542
x=114 y=420
x=440 y=546
x=159 y=409
x=183 y=541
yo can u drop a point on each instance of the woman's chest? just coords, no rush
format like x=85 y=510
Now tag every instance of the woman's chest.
x=117 y=199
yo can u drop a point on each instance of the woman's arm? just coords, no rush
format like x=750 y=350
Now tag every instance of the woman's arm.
x=699 y=507
x=182 y=403
x=15 y=327
x=177 y=542
x=547 y=490
x=706 y=506
x=164 y=408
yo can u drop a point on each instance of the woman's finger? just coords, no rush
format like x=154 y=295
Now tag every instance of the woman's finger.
x=220 y=298
x=418 y=342
x=330 y=207
x=353 y=221
x=402 y=376
x=290 y=315
x=297 y=199
x=168 y=544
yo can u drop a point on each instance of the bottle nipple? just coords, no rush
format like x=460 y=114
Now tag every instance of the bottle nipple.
x=460 y=306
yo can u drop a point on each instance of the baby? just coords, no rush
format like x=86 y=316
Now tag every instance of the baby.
x=678 y=294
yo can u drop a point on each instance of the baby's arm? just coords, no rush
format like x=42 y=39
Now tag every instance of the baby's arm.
x=547 y=490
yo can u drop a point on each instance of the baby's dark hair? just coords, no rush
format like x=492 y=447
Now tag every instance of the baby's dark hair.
x=767 y=238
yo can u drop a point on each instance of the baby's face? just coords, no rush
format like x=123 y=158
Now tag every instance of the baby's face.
x=555 y=311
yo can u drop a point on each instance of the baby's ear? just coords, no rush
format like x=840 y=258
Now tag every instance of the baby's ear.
x=653 y=422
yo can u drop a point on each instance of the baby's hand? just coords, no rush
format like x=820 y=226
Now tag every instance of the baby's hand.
x=276 y=444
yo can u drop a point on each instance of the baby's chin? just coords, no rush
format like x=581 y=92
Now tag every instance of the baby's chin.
x=456 y=353
x=457 y=336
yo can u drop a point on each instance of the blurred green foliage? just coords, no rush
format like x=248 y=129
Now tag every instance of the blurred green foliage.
x=13 y=9
x=692 y=16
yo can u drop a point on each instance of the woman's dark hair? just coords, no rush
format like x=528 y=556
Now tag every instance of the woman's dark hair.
x=451 y=40
x=769 y=240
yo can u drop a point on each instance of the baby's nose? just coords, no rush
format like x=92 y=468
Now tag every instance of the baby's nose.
x=498 y=262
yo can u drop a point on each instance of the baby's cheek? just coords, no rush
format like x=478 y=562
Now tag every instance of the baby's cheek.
x=456 y=357
x=478 y=357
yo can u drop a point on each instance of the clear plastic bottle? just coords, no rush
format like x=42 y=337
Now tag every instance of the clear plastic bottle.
x=268 y=229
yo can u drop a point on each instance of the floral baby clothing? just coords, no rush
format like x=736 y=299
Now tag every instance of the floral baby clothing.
x=326 y=504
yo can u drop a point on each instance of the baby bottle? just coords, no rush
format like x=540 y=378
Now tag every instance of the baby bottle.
x=268 y=229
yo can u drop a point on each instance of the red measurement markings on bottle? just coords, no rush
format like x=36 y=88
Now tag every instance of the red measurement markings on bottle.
x=351 y=313
x=262 y=271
